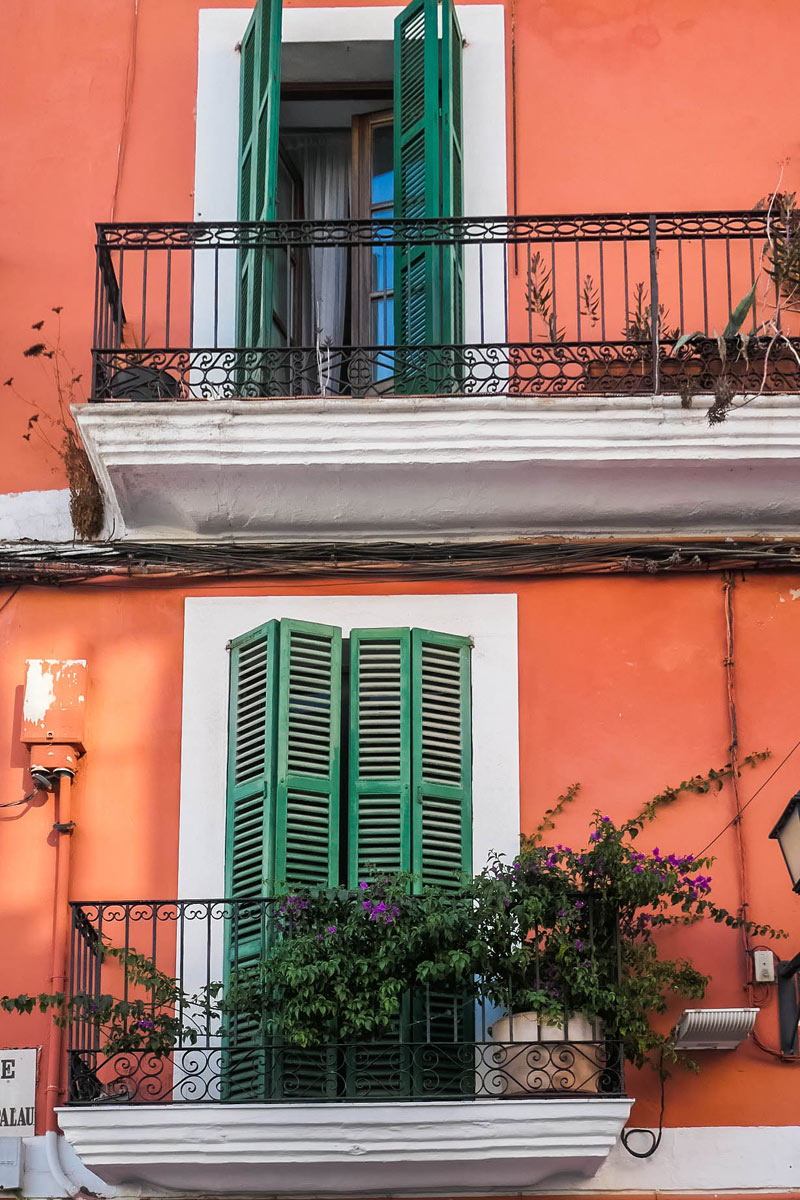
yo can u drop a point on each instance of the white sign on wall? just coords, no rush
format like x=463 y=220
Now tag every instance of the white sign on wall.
x=17 y=1089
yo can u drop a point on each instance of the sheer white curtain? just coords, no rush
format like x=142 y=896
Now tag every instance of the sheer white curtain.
x=323 y=161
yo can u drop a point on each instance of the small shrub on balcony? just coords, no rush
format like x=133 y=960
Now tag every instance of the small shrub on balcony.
x=558 y=931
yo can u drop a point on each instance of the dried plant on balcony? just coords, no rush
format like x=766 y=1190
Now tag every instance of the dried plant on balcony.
x=783 y=247
x=590 y=300
x=58 y=432
x=638 y=319
x=736 y=351
x=539 y=296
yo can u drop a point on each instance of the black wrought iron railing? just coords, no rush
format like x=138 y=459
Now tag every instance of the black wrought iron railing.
x=563 y=305
x=448 y=1046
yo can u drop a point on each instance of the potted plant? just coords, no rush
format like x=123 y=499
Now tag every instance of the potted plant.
x=565 y=941
x=135 y=375
x=568 y=944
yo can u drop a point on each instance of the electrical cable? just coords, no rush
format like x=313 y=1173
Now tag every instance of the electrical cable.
x=747 y=804
x=130 y=79
x=8 y=599
x=656 y=1137
x=26 y=800
x=730 y=678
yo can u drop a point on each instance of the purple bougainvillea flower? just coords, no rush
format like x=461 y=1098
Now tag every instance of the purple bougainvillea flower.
x=331 y=929
x=363 y=886
x=579 y=904
x=145 y=1023
x=606 y=820
x=594 y=836
x=578 y=944
x=562 y=912
x=638 y=869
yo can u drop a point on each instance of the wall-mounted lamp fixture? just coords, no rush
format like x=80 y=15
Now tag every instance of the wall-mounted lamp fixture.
x=787 y=835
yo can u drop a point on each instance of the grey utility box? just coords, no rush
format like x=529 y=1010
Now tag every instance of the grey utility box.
x=10 y=1162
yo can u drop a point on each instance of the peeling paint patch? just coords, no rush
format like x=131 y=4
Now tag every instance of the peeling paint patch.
x=39 y=690
x=794 y=593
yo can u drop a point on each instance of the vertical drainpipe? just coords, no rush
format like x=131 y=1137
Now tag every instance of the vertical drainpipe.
x=62 y=827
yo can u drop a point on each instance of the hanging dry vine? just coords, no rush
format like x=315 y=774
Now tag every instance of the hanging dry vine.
x=58 y=432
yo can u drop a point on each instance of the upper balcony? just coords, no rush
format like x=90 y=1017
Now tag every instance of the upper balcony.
x=227 y=1101
x=525 y=355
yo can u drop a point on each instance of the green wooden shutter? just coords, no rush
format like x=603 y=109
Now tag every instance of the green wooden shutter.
x=427 y=181
x=452 y=175
x=441 y=757
x=410 y=808
x=283 y=824
x=308 y=755
x=258 y=175
x=307 y=809
x=379 y=817
x=249 y=841
x=442 y=839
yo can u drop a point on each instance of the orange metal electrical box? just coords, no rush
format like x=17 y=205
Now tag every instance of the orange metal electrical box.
x=55 y=702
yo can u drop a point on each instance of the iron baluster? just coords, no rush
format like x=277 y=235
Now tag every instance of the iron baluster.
x=654 y=307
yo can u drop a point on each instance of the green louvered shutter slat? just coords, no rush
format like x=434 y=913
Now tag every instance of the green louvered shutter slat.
x=428 y=183
x=252 y=729
x=380 y=753
x=417 y=185
x=307 y=806
x=308 y=755
x=379 y=817
x=452 y=179
x=442 y=757
x=258 y=173
x=442 y=837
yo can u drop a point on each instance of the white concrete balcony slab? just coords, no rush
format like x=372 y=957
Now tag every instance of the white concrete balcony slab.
x=429 y=1148
x=438 y=468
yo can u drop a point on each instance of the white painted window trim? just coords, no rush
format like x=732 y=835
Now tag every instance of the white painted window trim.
x=210 y=623
x=217 y=141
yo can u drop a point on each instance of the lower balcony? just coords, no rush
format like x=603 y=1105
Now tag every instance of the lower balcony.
x=170 y=1090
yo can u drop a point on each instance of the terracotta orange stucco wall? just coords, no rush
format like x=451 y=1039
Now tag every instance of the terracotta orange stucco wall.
x=622 y=688
x=619 y=105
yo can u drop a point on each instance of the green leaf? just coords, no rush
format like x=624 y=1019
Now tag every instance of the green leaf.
x=684 y=338
x=736 y=319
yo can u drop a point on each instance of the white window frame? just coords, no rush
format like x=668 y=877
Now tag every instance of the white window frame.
x=211 y=622
x=217 y=141
x=209 y=625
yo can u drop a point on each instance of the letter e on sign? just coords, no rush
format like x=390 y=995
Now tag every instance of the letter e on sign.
x=17 y=1091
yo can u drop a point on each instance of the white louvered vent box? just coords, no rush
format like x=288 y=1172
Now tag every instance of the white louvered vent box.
x=714 y=1028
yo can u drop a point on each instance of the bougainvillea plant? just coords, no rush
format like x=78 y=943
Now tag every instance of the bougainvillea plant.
x=558 y=931
x=565 y=930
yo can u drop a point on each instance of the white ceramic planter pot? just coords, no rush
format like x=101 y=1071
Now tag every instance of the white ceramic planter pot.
x=531 y=1057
